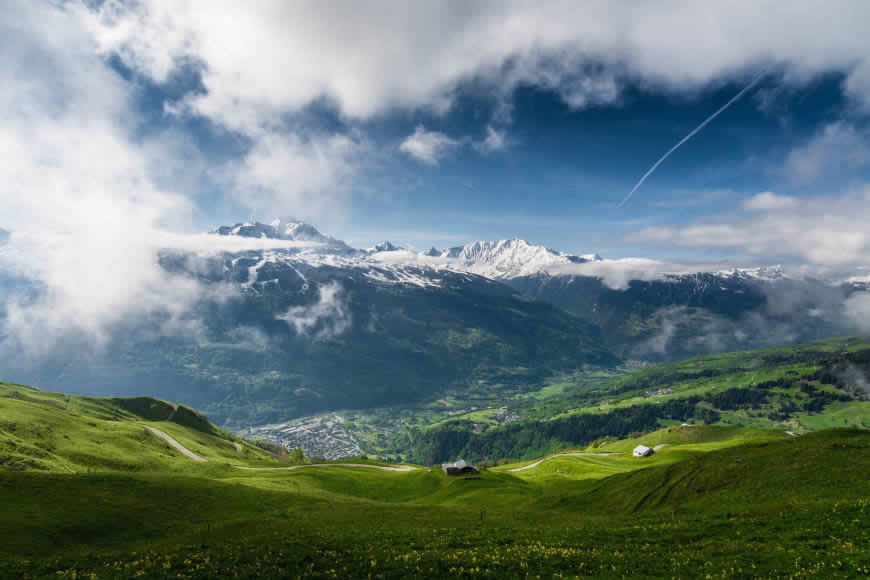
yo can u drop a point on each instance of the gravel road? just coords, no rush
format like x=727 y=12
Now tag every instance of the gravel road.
x=540 y=461
x=175 y=444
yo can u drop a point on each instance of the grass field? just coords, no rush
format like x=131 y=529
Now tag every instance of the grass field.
x=86 y=491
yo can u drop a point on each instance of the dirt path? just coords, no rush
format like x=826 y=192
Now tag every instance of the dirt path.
x=540 y=461
x=196 y=457
x=292 y=467
x=175 y=444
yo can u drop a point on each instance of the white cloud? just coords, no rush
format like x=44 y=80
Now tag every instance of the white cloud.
x=768 y=200
x=428 y=146
x=495 y=140
x=264 y=65
x=617 y=273
x=76 y=188
x=837 y=147
x=310 y=176
x=269 y=56
x=327 y=318
x=89 y=203
x=825 y=231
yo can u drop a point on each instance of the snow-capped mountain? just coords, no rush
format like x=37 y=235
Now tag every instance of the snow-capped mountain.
x=282 y=229
x=764 y=273
x=500 y=260
x=508 y=258
x=389 y=263
x=630 y=299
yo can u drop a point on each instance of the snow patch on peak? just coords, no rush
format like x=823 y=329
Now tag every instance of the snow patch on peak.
x=508 y=258
x=765 y=273
x=281 y=229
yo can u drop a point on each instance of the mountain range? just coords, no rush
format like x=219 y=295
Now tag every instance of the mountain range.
x=327 y=326
x=659 y=315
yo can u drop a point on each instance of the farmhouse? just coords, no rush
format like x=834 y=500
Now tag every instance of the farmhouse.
x=642 y=451
x=460 y=467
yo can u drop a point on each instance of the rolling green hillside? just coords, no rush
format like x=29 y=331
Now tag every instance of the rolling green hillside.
x=69 y=434
x=797 y=388
x=87 y=491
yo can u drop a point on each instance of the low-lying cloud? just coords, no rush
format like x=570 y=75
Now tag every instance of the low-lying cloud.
x=327 y=318
x=824 y=231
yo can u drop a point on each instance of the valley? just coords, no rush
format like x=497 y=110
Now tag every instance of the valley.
x=799 y=388
x=747 y=447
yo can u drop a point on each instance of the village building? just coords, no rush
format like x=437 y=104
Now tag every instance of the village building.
x=642 y=451
x=460 y=467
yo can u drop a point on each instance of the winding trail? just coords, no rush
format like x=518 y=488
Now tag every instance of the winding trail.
x=181 y=448
x=175 y=444
x=292 y=467
x=540 y=461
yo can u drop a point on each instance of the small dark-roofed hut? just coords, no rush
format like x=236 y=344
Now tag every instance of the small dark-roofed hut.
x=460 y=467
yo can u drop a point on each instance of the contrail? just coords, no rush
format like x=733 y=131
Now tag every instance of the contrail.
x=693 y=133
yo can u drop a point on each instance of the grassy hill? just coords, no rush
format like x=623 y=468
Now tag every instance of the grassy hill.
x=70 y=434
x=797 y=388
x=87 y=491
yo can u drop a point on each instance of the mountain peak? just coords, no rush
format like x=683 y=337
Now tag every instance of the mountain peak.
x=385 y=246
x=510 y=258
x=279 y=229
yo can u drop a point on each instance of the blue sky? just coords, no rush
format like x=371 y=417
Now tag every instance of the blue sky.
x=564 y=170
x=561 y=172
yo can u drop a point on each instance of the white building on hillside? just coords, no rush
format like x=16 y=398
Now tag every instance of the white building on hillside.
x=642 y=451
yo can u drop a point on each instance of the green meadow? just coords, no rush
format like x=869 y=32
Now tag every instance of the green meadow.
x=86 y=491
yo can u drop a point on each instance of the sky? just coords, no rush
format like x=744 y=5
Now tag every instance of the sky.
x=124 y=124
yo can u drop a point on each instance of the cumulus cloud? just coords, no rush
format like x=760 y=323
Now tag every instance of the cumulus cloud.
x=327 y=318
x=312 y=175
x=428 y=146
x=825 y=231
x=265 y=65
x=90 y=202
x=415 y=55
x=77 y=188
